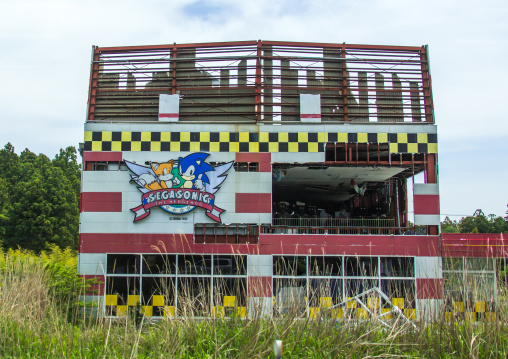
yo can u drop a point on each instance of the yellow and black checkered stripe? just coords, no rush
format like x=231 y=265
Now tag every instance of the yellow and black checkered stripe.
x=156 y=307
x=478 y=311
x=353 y=310
x=310 y=142
x=228 y=308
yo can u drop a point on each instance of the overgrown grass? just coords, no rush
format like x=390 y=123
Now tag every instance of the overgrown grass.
x=38 y=319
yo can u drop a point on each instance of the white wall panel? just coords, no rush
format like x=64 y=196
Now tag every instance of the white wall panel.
x=260 y=307
x=259 y=266
x=92 y=264
x=426 y=188
x=428 y=267
x=427 y=219
x=290 y=157
x=120 y=222
x=187 y=127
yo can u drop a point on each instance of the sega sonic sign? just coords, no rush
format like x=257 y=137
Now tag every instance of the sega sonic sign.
x=178 y=186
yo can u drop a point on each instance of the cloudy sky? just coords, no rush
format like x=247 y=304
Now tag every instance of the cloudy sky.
x=46 y=48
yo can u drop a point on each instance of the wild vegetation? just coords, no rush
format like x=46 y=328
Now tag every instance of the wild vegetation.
x=39 y=319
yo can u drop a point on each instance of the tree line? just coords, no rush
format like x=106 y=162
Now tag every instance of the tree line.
x=477 y=223
x=39 y=199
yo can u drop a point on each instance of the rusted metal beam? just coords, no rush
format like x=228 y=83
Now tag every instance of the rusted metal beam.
x=94 y=74
x=349 y=46
x=426 y=86
x=345 y=86
x=169 y=47
x=258 y=82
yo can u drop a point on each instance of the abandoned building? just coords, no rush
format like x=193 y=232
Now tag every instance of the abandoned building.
x=222 y=177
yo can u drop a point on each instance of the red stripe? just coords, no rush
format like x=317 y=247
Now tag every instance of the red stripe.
x=374 y=245
x=155 y=243
x=470 y=252
x=169 y=115
x=310 y=115
x=263 y=158
x=491 y=245
x=474 y=242
x=253 y=157
x=426 y=204
x=101 y=201
x=102 y=156
x=429 y=288
x=260 y=287
x=471 y=236
x=420 y=246
x=96 y=289
x=253 y=203
x=265 y=167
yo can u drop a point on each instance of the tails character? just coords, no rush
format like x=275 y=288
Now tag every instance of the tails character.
x=158 y=176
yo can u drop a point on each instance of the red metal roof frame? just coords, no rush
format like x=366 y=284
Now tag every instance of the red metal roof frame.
x=254 y=42
x=393 y=105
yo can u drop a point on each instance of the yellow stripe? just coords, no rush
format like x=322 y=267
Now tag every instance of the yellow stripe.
x=146 y=136
x=362 y=138
x=382 y=137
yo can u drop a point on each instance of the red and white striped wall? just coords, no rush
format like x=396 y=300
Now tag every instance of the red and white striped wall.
x=429 y=286
x=254 y=189
x=259 y=274
x=426 y=204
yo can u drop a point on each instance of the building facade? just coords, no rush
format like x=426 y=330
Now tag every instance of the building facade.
x=239 y=177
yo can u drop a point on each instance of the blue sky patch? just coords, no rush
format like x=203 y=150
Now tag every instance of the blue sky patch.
x=206 y=11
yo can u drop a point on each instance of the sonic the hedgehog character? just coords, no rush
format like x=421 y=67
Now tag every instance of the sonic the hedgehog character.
x=193 y=170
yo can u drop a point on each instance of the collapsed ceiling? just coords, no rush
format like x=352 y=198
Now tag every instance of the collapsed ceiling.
x=330 y=184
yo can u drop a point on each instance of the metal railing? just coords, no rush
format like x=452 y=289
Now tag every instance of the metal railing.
x=266 y=229
x=231 y=234
x=261 y=81
x=335 y=222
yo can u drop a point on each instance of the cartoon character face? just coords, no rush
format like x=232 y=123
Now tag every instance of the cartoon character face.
x=188 y=175
x=192 y=170
x=163 y=170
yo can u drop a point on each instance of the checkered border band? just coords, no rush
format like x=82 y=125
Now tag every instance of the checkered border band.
x=471 y=312
x=155 y=308
x=251 y=141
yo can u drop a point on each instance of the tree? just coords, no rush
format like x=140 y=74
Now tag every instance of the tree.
x=449 y=226
x=479 y=223
x=42 y=199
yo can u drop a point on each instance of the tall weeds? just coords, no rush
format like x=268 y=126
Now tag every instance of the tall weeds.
x=35 y=323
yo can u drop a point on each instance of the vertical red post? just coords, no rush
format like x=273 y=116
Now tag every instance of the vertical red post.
x=173 y=82
x=94 y=80
x=427 y=94
x=258 y=81
x=344 y=82
x=431 y=177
